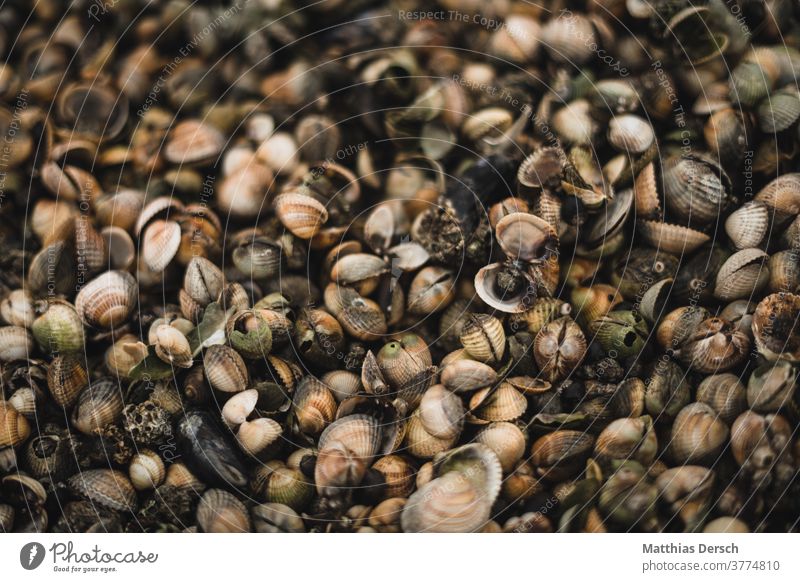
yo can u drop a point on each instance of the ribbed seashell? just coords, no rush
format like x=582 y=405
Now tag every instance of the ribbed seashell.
x=688 y=489
x=748 y=225
x=59 y=329
x=695 y=189
x=50 y=457
x=363 y=319
x=645 y=193
x=342 y=383
x=360 y=433
x=120 y=247
x=347 y=448
x=774 y=327
x=225 y=369
x=192 y=141
x=627 y=438
x=725 y=394
x=431 y=290
x=146 y=470
x=487 y=124
x=441 y=413
x=107 y=488
x=52 y=270
x=98 y=405
x=678 y=325
x=172 y=347
x=771 y=387
x=16 y=343
x=124 y=354
x=506 y=440
x=593 y=302
x=66 y=378
x=421 y=443
x=401 y=360
x=744 y=274
x=221 y=512
x=559 y=348
x=239 y=407
x=630 y=133
x=120 y=209
x=559 y=34
x=779 y=112
x=782 y=197
x=289 y=487
x=620 y=333
x=463 y=376
x=180 y=477
x=108 y=300
x=561 y=454
x=276 y=518
x=24 y=400
x=505 y=207
x=484 y=338
x=258 y=257
x=258 y=435
x=314 y=406
x=698 y=435
x=672 y=238
x=398 y=474
x=160 y=244
x=203 y=281
x=359 y=270
x=714 y=346
x=504 y=403
x=758 y=442
x=655 y=300
x=543 y=311
x=14 y=427
x=17 y=308
x=750 y=83
x=302 y=214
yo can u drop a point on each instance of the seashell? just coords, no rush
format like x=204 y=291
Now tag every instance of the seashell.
x=53 y=267
x=24 y=400
x=359 y=270
x=441 y=413
x=688 y=490
x=301 y=214
x=461 y=496
x=627 y=439
x=506 y=440
x=645 y=193
x=50 y=457
x=610 y=223
x=561 y=454
x=774 y=324
x=574 y=123
x=696 y=190
x=504 y=403
x=120 y=248
x=225 y=369
x=314 y=406
x=779 y=112
x=420 y=443
x=59 y=329
x=250 y=333
x=758 y=443
x=784 y=272
x=289 y=487
x=678 y=325
x=725 y=394
x=208 y=452
x=66 y=378
x=630 y=133
x=463 y=376
x=726 y=134
x=124 y=354
x=146 y=470
x=258 y=258
x=620 y=333
x=559 y=348
x=221 y=512
x=749 y=83
x=14 y=427
x=672 y=238
x=106 y=488
x=203 y=281
x=363 y=319
x=483 y=338
x=258 y=436
x=698 y=435
x=714 y=346
x=193 y=142
x=401 y=360
x=160 y=244
x=742 y=275
x=431 y=290
x=276 y=518
x=98 y=405
x=398 y=475
x=771 y=387
x=526 y=237
x=16 y=343
x=782 y=197
x=487 y=287
x=543 y=311
x=172 y=347
x=108 y=300
x=347 y=447
x=239 y=407
x=748 y=225
x=17 y=308
x=627 y=499
x=180 y=477
x=342 y=383
x=655 y=300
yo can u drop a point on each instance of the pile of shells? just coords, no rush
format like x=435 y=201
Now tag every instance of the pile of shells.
x=401 y=274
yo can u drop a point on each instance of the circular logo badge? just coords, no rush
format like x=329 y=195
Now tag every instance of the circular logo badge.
x=31 y=555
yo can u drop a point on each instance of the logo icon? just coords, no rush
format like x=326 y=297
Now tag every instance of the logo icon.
x=31 y=555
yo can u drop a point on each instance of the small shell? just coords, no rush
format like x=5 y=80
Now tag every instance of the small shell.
x=725 y=394
x=342 y=383
x=779 y=111
x=203 y=281
x=441 y=413
x=504 y=403
x=17 y=308
x=627 y=438
x=559 y=348
x=239 y=407
x=225 y=369
x=363 y=319
x=173 y=347
x=314 y=406
x=16 y=343
x=431 y=290
x=59 y=329
x=484 y=338
x=256 y=436
x=698 y=435
x=221 y=512
x=506 y=440
x=561 y=454
x=467 y=375
x=398 y=474
x=671 y=238
x=108 y=300
x=401 y=360
x=300 y=213
x=714 y=346
x=192 y=141
x=630 y=133
x=645 y=193
x=744 y=274
x=289 y=487
x=421 y=443
x=98 y=405
x=146 y=470
x=14 y=427
x=106 y=488
x=180 y=477
x=526 y=237
x=748 y=224
x=771 y=387
x=160 y=244
x=774 y=328
x=66 y=378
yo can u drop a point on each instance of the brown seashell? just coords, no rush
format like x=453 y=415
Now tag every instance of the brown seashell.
x=441 y=413
x=431 y=290
x=671 y=238
x=559 y=348
x=698 y=435
x=221 y=512
x=398 y=474
x=66 y=378
x=645 y=193
x=108 y=300
x=193 y=142
x=714 y=346
x=744 y=274
x=504 y=403
x=303 y=215
x=107 y=488
x=420 y=443
x=561 y=454
x=14 y=427
x=748 y=225
x=314 y=406
x=172 y=347
x=630 y=133
x=507 y=441
x=463 y=376
x=484 y=338
x=98 y=405
x=160 y=244
x=258 y=435
x=774 y=327
x=526 y=237
x=146 y=470
x=225 y=369
x=725 y=394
